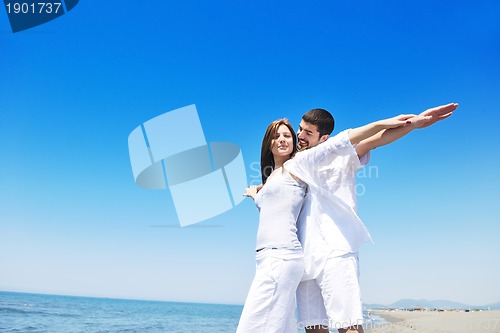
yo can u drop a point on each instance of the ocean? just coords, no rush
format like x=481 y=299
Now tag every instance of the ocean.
x=39 y=313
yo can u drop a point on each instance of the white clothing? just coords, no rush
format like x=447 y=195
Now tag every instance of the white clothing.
x=270 y=304
x=279 y=202
x=333 y=299
x=331 y=233
x=328 y=224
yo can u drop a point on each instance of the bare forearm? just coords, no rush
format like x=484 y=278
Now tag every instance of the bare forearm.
x=382 y=138
x=359 y=134
x=392 y=133
x=356 y=135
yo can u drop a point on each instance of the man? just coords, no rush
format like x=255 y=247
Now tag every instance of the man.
x=329 y=229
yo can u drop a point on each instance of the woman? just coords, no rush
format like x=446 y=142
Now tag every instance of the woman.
x=270 y=304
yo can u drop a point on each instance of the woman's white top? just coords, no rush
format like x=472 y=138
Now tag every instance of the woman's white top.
x=279 y=202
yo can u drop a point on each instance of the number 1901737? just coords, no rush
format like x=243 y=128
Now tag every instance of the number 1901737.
x=33 y=7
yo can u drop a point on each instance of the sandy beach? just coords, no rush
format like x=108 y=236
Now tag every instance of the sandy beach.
x=437 y=322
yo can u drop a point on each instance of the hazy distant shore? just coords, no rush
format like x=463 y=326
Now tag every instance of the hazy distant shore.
x=400 y=321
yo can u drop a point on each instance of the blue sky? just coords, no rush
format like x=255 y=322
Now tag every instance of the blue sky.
x=72 y=220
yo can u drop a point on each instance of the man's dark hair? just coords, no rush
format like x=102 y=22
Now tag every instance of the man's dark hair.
x=322 y=119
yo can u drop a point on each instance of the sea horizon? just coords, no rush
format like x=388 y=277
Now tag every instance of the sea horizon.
x=396 y=304
x=44 y=313
x=55 y=313
x=125 y=298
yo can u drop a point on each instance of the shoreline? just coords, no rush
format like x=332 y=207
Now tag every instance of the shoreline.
x=401 y=321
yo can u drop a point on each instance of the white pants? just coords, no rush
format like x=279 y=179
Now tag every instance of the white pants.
x=270 y=304
x=333 y=299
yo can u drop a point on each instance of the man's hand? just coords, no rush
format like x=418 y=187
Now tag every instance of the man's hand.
x=397 y=127
x=433 y=115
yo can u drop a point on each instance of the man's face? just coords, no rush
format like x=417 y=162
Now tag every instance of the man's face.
x=308 y=135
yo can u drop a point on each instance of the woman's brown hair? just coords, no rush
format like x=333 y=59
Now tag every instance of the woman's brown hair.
x=266 y=155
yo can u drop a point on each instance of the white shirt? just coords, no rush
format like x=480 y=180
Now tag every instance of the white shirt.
x=328 y=224
x=279 y=202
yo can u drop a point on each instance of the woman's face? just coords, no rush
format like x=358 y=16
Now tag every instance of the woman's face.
x=282 y=144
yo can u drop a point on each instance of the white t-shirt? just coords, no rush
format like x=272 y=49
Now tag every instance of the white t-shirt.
x=279 y=203
x=328 y=224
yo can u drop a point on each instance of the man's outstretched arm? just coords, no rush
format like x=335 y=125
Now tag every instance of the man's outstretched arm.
x=389 y=135
x=358 y=134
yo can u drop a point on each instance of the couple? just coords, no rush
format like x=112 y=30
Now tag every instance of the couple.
x=309 y=233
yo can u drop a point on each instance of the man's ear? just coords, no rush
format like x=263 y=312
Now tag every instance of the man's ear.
x=323 y=138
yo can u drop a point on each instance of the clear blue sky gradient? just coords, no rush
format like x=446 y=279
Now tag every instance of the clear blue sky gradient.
x=72 y=220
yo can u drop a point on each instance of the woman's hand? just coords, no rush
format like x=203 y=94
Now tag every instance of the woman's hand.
x=252 y=191
x=401 y=120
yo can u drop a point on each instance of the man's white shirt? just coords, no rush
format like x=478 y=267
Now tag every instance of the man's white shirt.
x=328 y=224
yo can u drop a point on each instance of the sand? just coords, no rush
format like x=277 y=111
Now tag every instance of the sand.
x=437 y=322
